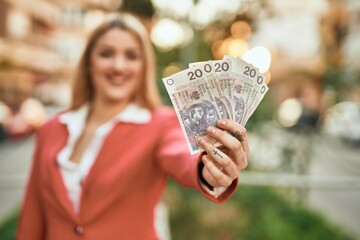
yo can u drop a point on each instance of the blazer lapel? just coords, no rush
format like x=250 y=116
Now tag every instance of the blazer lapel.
x=57 y=184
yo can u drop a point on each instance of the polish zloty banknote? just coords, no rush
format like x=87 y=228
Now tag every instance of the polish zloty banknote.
x=222 y=71
x=243 y=86
x=202 y=73
x=194 y=103
x=207 y=91
x=259 y=90
x=215 y=87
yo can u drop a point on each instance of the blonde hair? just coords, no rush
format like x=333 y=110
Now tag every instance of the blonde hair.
x=147 y=96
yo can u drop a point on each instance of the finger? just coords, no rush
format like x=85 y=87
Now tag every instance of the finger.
x=235 y=147
x=238 y=131
x=224 y=137
x=232 y=144
x=220 y=177
x=240 y=157
x=220 y=159
x=207 y=176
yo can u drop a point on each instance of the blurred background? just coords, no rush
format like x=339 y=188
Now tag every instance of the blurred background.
x=303 y=179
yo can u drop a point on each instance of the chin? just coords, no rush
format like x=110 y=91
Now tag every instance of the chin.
x=117 y=98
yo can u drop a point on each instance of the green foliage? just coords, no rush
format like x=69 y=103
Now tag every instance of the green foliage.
x=9 y=226
x=252 y=213
x=340 y=79
x=143 y=8
x=163 y=60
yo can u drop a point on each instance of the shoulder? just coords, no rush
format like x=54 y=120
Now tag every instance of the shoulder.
x=163 y=113
x=51 y=125
x=164 y=118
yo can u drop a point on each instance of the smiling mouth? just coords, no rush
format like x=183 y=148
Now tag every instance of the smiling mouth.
x=117 y=80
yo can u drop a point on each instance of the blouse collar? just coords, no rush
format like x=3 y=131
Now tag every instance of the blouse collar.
x=131 y=114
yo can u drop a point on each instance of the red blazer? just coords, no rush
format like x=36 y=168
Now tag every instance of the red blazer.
x=121 y=189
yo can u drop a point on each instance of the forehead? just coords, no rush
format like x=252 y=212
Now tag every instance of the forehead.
x=119 y=38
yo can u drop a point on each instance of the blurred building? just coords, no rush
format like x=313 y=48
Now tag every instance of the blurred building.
x=41 y=41
x=40 y=44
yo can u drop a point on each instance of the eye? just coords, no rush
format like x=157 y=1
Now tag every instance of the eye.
x=106 y=53
x=133 y=54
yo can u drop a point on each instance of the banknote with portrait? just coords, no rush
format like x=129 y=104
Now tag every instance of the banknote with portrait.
x=222 y=71
x=211 y=90
x=191 y=92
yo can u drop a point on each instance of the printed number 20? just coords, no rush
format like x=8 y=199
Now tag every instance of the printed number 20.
x=250 y=71
x=193 y=75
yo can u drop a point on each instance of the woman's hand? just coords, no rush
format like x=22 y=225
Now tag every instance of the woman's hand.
x=223 y=164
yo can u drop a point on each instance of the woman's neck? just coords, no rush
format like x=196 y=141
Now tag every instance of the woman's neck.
x=101 y=112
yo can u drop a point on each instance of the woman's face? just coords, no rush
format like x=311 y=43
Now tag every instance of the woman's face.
x=117 y=66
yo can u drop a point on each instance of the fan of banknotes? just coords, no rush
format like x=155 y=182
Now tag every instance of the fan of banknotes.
x=208 y=91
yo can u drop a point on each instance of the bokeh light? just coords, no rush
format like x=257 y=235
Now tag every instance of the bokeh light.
x=240 y=29
x=177 y=9
x=237 y=47
x=5 y=113
x=260 y=57
x=167 y=34
x=33 y=112
x=289 y=112
x=171 y=69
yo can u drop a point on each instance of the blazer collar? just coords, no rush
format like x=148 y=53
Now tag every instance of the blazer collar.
x=131 y=114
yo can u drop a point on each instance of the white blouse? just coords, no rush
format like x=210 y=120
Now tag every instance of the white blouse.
x=74 y=173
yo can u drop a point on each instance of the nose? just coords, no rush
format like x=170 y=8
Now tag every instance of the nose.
x=119 y=63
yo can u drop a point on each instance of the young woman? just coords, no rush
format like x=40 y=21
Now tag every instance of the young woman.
x=100 y=168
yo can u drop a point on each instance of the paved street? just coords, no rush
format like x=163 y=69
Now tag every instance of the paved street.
x=339 y=202
x=15 y=161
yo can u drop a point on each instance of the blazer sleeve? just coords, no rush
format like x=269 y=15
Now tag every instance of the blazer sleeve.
x=174 y=158
x=31 y=222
